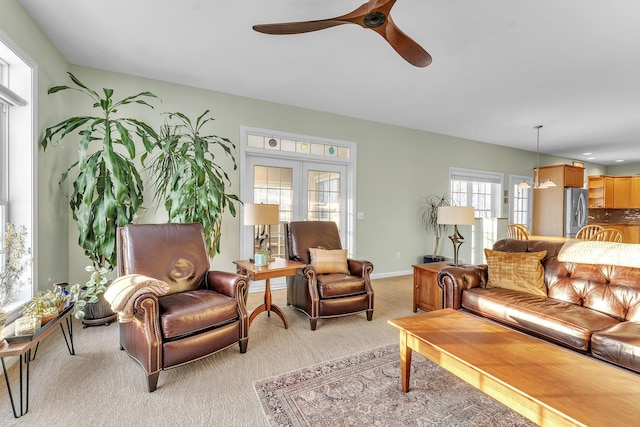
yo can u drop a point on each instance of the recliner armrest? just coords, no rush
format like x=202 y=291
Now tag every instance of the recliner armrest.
x=230 y=284
x=453 y=280
x=360 y=268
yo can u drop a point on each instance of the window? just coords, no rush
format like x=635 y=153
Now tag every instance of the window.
x=520 y=212
x=17 y=151
x=480 y=189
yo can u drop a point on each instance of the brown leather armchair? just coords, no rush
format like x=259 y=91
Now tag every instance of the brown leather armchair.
x=325 y=295
x=203 y=311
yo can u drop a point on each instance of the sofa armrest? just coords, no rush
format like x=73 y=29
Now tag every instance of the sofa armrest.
x=453 y=280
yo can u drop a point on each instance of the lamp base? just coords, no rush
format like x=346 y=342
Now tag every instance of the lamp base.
x=457 y=239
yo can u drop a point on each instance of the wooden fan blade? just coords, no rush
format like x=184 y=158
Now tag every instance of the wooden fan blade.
x=411 y=51
x=297 y=27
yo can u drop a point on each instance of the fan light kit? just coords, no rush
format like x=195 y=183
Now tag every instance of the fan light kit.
x=373 y=15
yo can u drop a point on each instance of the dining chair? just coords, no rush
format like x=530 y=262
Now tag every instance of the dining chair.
x=608 y=235
x=517 y=231
x=588 y=231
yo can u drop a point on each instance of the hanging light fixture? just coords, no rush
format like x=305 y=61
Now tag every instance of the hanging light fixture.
x=536 y=172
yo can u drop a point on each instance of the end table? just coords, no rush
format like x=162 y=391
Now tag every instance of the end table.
x=279 y=267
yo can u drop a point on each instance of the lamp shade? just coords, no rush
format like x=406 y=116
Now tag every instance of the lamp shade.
x=456 y=215
x=261 y=214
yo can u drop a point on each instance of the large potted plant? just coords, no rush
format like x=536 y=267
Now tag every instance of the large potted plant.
x=429 y=216
x=107 y=188
x=188 y=181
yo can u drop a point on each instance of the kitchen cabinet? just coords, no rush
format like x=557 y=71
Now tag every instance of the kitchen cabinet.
x=635 y=192
x=563 y=175
x=600 y=191
x=614 y=192
x=573 y=176
x=621 y=192
x=630 y=233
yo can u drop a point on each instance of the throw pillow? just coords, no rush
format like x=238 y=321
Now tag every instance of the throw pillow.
x=326 y=261
x=520 y=271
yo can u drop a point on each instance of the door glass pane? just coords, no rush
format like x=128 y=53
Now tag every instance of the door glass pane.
x=273 y=185
x=323 y=195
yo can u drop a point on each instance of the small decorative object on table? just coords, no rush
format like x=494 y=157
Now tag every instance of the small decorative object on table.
x=26 y=325
x=46 y=305
x=262 y=257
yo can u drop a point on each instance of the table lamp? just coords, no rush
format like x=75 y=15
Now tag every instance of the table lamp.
x=456 y=215
x=261 y=216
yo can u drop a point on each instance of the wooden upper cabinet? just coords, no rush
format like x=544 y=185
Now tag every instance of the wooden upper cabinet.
x=635 y=191
x=563 y=175
x=573 y=176
x=600 y=191
x=614 y=192
x=621 y=192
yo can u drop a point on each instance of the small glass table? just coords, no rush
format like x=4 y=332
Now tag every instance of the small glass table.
x=24 y=348
x=279 y=267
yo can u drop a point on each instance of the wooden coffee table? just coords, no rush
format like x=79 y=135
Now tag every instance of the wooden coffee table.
x=545 y=383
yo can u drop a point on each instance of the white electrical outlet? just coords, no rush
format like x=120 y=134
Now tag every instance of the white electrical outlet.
x=398 y=255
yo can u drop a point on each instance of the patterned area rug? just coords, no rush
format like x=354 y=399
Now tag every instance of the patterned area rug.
x=364 y=390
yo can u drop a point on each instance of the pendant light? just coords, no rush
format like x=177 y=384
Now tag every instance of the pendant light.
x=536 y=172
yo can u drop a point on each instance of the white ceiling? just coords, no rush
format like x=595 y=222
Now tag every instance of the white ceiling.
x=499 y=66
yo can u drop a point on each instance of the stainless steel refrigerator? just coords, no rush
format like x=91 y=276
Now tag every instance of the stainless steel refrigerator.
x=575 y=210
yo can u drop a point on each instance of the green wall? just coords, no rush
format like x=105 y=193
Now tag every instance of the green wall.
x=396 y=166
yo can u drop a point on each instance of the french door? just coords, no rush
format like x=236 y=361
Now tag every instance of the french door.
x=305 y=190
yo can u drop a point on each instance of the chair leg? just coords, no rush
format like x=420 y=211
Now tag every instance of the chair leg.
x=243 y=344
x=153 y=381
x=369 y=315
x=314 y=323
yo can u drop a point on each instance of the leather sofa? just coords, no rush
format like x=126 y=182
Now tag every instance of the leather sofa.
x=588 y=307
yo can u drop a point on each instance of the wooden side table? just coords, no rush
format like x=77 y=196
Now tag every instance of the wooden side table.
x=427 y=295
x=278 y=268
x=23 y=350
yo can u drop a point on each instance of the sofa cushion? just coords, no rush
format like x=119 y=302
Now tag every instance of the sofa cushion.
x=564 y=323
x=194 y=311
x=619 y=344
x=327 y=261
x=521 y=271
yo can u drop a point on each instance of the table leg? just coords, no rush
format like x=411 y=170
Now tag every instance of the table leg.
x=268 y=307
x=405 y=362
x=24 y=388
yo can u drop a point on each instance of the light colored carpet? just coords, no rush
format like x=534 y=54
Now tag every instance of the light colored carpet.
x=102 y=386
x=364 y=390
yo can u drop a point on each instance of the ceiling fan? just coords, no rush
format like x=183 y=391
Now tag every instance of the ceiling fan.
x=373 y=15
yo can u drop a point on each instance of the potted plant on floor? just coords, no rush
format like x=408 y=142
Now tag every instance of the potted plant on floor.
x=429 y=216
x=107 y=188
x=188 y=181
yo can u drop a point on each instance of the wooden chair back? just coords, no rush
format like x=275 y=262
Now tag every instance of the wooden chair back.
x=517 y=231
x=587 y=232
x=608 y=235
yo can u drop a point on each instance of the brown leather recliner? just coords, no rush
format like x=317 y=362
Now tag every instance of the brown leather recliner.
x=204 y=311
x=325 y=295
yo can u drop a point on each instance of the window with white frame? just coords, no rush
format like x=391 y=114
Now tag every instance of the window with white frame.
x=477 y=188
x=520 y=201
x=17 y=152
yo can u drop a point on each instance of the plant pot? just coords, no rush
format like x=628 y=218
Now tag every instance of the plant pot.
x=98 y=314
x=430 y=258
